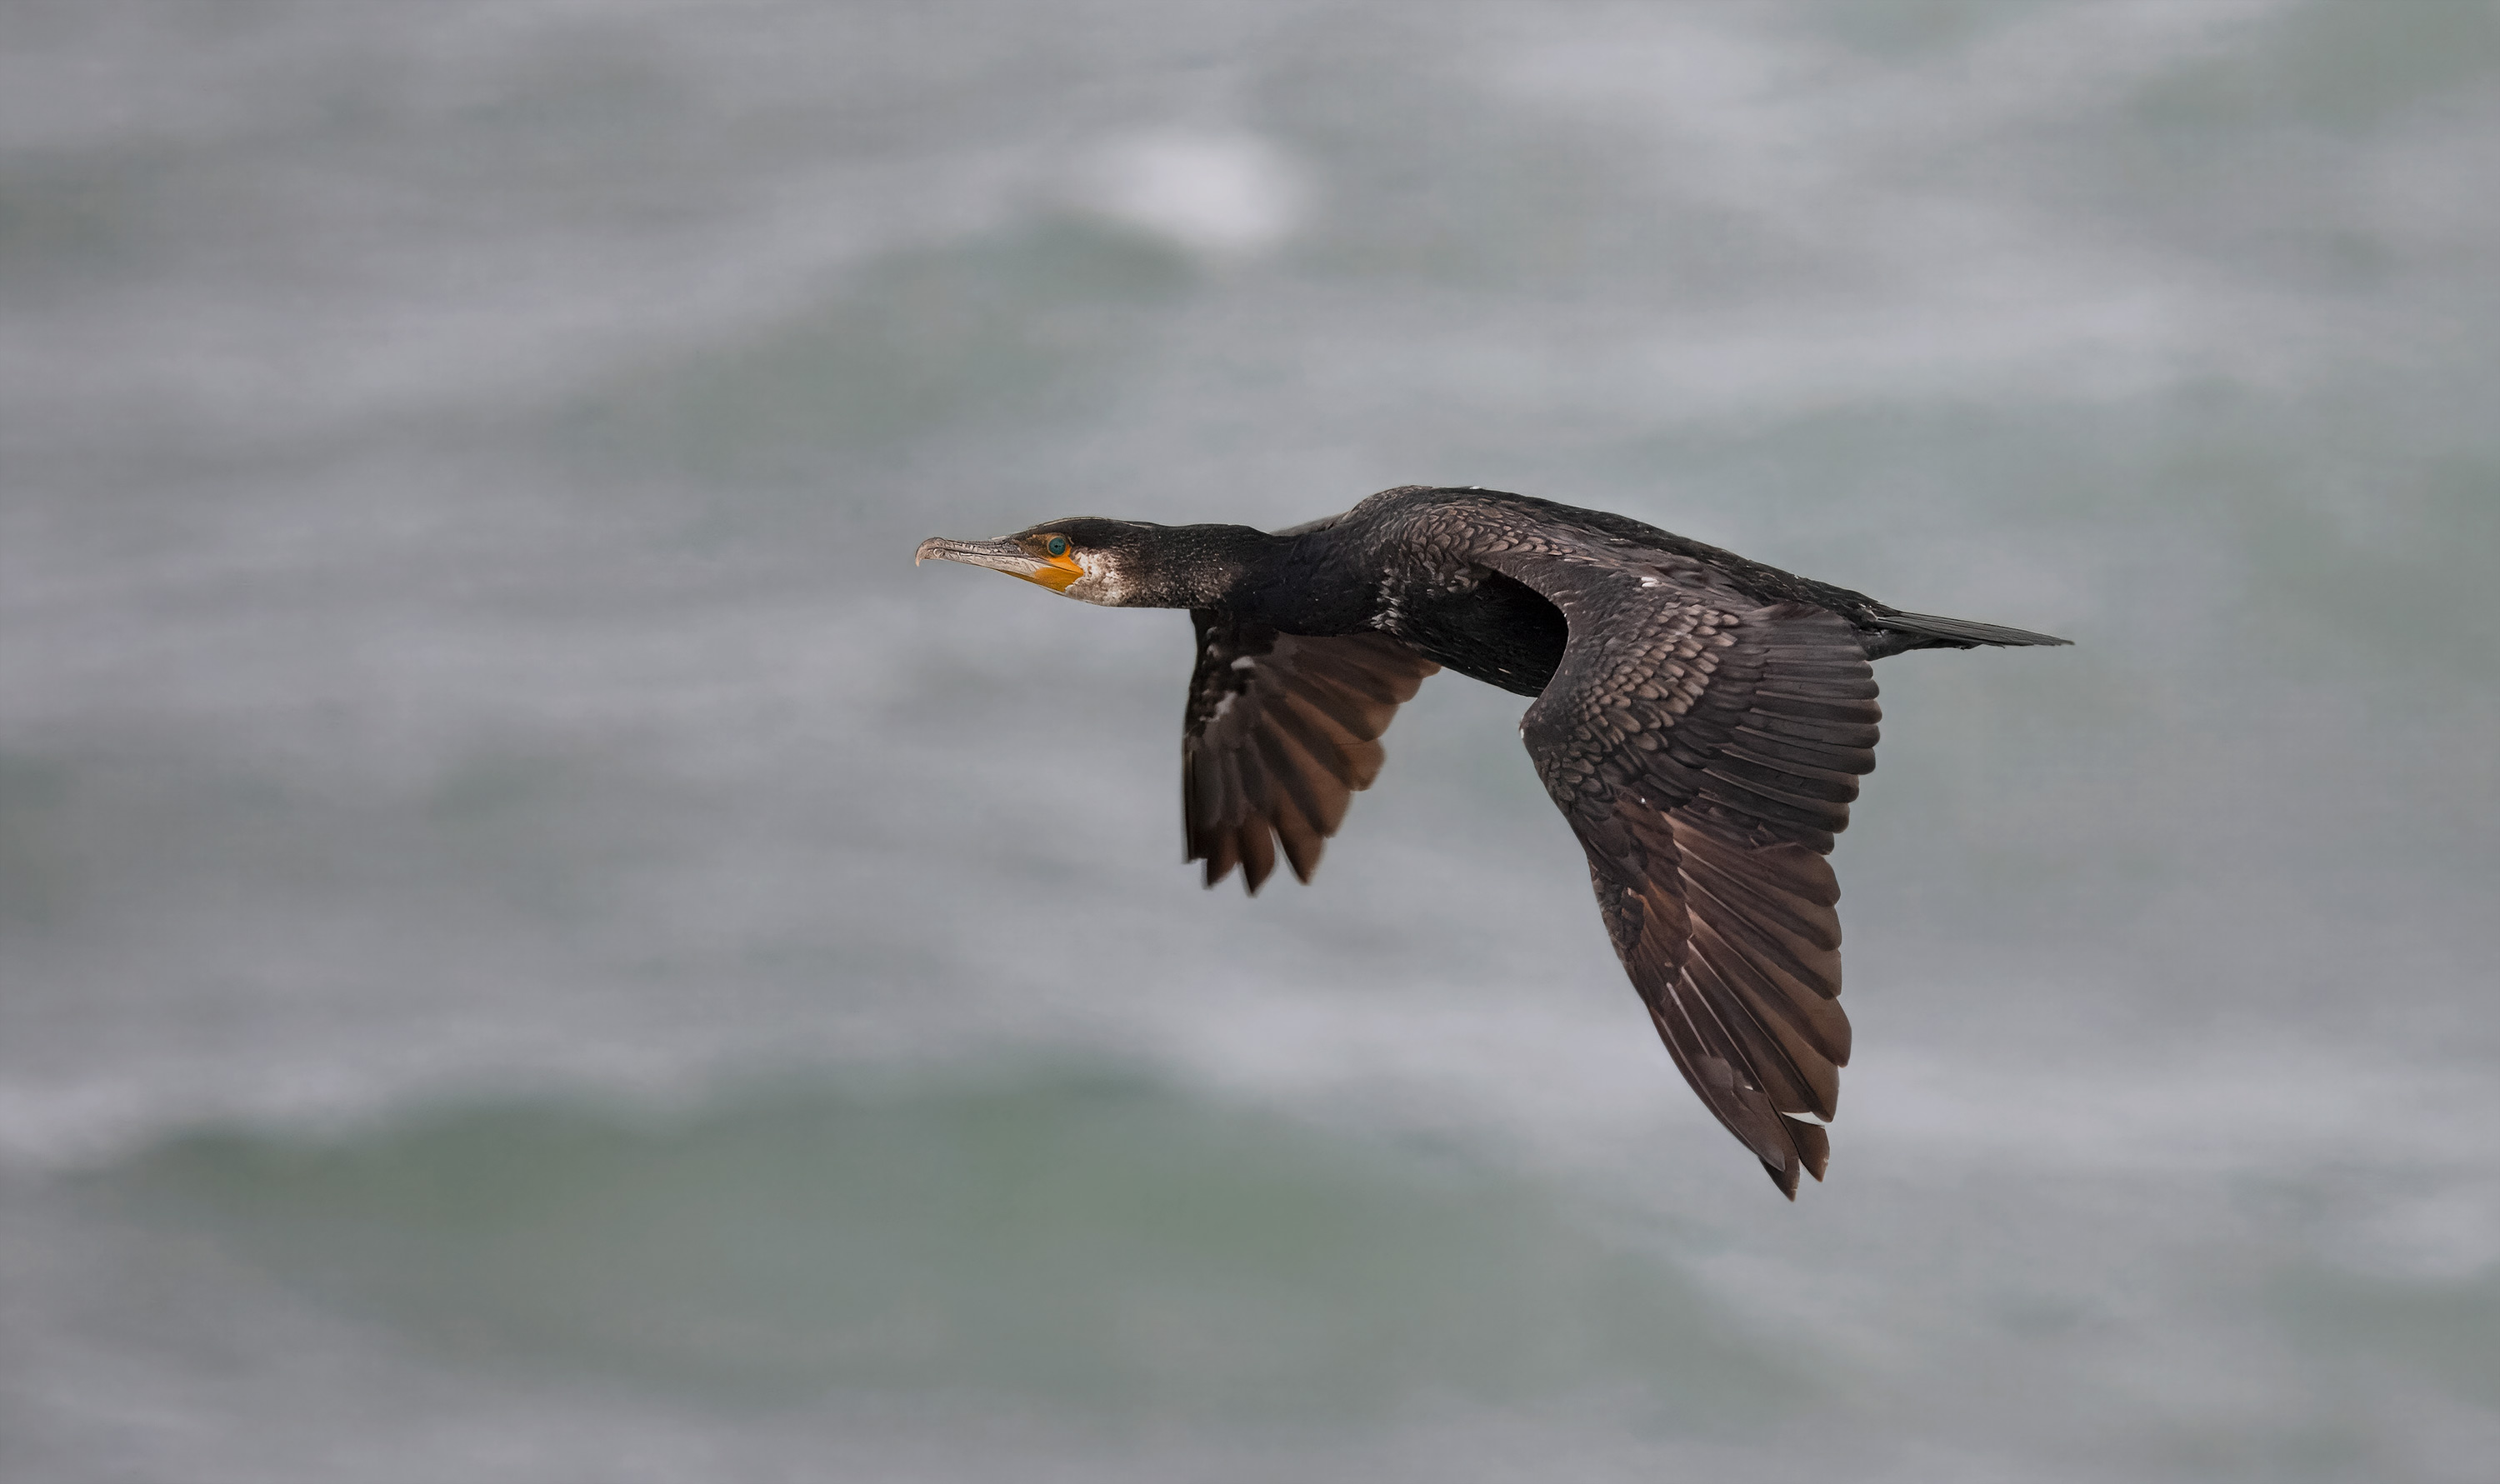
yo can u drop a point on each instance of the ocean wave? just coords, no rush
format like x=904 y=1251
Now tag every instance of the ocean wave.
x=1078 y=1238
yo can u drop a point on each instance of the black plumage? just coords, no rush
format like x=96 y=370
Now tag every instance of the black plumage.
x=1701 y=721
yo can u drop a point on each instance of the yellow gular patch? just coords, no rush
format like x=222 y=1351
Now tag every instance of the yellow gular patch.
x=1058 y=576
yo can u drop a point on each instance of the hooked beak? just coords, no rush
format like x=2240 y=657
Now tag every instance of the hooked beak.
x=1002 y=557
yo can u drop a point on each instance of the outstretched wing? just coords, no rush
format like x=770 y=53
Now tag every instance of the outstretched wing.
x=1282 y=729
x=1705 y=749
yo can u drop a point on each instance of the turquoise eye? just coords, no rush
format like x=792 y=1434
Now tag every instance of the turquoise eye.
x=1057 y=545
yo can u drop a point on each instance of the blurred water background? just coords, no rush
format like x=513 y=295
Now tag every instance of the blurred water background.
x=535 y=946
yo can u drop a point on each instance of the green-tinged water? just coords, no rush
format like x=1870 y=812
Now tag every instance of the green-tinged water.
x=1096 y=1244
x=534 y=946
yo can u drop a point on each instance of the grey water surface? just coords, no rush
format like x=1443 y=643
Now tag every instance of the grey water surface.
x=536 y=946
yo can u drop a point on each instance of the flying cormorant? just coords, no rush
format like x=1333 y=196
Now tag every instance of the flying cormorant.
x=1700 y=720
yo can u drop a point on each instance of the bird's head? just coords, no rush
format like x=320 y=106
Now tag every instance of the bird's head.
x=1115 y=563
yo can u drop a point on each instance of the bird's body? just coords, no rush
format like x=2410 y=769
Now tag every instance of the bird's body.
x=1701 y=721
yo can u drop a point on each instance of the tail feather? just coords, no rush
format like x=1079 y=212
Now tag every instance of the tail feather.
x=1959 y=633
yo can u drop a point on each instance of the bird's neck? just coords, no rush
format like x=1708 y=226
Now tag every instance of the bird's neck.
x=1213 y=566
x=1284 y=580
x=1293 y=582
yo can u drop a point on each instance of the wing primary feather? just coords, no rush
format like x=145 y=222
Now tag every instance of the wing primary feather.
x=1766 y=802
x=1789 y=685
x=1796 y=780
x=1781 y=1081
x=1238 y=803
x=1322 y=761
x=1313 y=718
x=1202 y=801
x=1258 y=853
x=1837 y=757
x=1796 y=935
x=1850 y=733
x=1815 y=1016
x=1292 y=797
x=1290 y=810
x=1813 y=708
x=1774 y=1046
x=1771 y=951
x=1814 y=1148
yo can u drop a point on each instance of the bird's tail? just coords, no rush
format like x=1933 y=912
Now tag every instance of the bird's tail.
x=1958 y=632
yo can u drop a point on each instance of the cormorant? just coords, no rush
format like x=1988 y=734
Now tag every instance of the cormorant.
x=1700 y=720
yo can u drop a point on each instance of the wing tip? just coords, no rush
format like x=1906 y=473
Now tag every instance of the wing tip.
x=1258 y=850
x=1812 y=1145
x=1220 y=854
x=1811 y=1159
